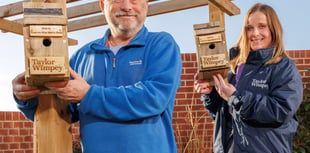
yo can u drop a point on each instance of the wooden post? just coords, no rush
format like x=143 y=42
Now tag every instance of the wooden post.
x=46 y=59
x=52 y=126
x=216 y=16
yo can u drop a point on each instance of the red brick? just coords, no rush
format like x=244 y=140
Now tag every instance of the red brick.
x=8 y=125
x=189 y=65
x=189 y=83
x=22 y=117
x=187 y=77
x=179 y=96
x=182 y=115
x=307 y=53
x=302 y=53
x=2 y=116
x=18 y=125
x=297 y=54
x=299 y=61
x=184 y=102
x=16 y=116
x=28 y=138
x=18 y=139
x=186 y=57
x=4 y=132
x=4 y=146
x=8 y=139
x=25 y=145
x=179 y=108
x=186 y=89
x=191 y=71
x=28 y=124
x=307 y=60
x=14 y=146
x=13 y=132
x=302 y=67
x=24 y=132
x=28 y=151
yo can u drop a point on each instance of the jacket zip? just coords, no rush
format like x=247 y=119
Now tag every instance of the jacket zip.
x=114 y=62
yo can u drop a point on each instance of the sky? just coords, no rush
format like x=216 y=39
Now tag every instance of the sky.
x=292 y=14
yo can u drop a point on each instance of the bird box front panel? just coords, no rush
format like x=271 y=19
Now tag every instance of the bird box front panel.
x=212 y=56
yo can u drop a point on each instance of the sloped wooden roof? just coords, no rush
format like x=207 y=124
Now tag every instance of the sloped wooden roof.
x=87 y=14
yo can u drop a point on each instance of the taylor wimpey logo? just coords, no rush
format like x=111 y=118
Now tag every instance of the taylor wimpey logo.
x=138 y=62
x=260 y=84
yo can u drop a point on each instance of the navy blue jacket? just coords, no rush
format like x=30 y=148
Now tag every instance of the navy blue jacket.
x=264 y=105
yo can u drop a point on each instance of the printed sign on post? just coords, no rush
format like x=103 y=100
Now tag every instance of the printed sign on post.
x=213 y=60
x=47 y=65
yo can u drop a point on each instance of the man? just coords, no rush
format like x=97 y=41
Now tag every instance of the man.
x=123 y=85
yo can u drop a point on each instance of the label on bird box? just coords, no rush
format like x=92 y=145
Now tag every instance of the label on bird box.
x=210 y=38
x=215 y=60
x=47 y=65
x=41 y=30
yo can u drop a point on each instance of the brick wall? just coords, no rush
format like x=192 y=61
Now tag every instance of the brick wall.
x=15 y=133
x=302 y=61
x=193 y=127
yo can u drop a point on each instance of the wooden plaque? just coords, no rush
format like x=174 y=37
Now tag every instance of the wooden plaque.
x=206 y=39
x=44 y=30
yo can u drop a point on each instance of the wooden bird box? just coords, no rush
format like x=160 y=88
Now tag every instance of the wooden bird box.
x=45 y=43
x=212 y=55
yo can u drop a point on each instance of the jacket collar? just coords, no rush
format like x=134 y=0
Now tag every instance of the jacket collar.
x=99 y=45
x=260 y=56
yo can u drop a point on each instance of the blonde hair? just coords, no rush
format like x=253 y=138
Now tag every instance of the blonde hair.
x=276 y=31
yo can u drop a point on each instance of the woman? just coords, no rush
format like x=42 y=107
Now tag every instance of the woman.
x=263 y=92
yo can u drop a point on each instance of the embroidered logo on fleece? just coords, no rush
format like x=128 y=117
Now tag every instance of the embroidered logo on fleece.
x=260 y=84
x=138 y=62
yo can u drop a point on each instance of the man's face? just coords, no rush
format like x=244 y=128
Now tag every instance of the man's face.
x=125 y=15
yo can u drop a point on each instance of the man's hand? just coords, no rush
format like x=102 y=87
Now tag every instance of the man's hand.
x=72 y=90
x=21 y=90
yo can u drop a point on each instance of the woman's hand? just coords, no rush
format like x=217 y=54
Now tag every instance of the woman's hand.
x=202 y=86
x=224 y=89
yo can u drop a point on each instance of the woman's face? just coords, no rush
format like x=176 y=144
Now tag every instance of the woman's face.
x=258 y=32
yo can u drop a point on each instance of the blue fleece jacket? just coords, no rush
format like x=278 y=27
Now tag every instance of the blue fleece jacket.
x=128 y=108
